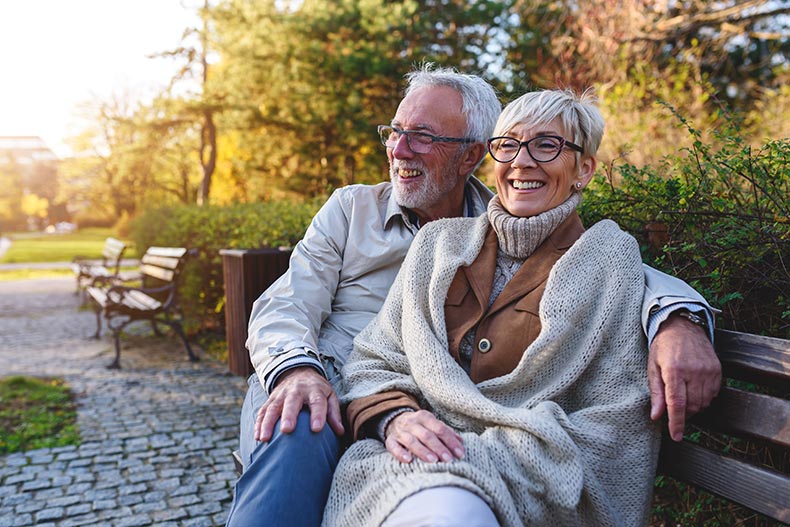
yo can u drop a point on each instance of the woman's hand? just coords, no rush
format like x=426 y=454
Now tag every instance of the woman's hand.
x=421 y=434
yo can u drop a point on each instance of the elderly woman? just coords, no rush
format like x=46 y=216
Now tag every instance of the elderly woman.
x=504 y=380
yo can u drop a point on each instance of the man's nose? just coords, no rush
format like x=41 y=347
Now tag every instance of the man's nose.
x=401 y=150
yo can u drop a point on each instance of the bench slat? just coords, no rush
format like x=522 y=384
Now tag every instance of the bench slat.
x=98 y=294
x=755 y=354
x=141 y=301
x=740 y=412
x=170 y=252
x=157 y=272
x=113 y=248
x=165 y=262
x=759 y=489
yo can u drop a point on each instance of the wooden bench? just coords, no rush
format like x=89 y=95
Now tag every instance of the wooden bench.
x=109 y=266
x=753 y=419
x=156 y=300
x=753 y=410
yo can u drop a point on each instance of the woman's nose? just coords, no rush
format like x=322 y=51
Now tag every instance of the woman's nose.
x=523 y=159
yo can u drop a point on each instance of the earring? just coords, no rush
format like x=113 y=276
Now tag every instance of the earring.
x=578 y=185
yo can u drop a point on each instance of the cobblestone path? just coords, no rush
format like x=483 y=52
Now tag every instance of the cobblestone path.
x=156 y=435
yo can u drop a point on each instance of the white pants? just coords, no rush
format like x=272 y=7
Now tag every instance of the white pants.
x=442 y=507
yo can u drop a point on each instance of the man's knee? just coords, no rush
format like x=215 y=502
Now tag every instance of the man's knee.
x=321 y=446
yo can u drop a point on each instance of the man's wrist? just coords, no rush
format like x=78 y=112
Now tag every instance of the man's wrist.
x=693 y=318
x=297 y=358
x=659 y=316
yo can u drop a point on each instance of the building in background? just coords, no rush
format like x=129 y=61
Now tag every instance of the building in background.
x=28 y=184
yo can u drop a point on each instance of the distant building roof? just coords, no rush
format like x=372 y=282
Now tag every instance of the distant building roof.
x=26 y=149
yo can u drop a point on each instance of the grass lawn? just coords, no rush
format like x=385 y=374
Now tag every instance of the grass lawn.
x=36 y=413
x=39 y=247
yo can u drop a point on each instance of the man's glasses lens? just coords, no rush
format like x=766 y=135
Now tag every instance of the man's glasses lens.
x=418 y=142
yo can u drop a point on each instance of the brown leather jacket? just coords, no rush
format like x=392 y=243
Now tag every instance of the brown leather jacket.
x=504 y=330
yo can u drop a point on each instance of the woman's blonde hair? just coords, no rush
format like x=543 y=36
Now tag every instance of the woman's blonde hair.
x=581 y=119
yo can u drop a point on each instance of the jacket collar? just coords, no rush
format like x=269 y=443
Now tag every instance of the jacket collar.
x=476 y=198
x=480 y=275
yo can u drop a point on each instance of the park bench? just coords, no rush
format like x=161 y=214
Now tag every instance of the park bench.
x=753 y=412
x=155 y=300
x=751 y=419
x=86 y=270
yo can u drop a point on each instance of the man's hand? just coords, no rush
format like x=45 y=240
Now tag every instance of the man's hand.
x=683 y=372
x=421 y=434
x=293 y=390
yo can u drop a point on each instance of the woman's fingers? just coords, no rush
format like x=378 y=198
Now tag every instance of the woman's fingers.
x=420 y=434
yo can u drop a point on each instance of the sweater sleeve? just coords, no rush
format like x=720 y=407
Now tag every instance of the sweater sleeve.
x=362 y=411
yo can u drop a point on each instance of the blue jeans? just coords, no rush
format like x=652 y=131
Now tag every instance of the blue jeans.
x=286 y=480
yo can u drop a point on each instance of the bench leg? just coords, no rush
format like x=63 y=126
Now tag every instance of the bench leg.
x=116 y=363
x=178 y=329
x=98 y=311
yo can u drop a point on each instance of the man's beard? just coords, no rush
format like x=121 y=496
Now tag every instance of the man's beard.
x=431 y=190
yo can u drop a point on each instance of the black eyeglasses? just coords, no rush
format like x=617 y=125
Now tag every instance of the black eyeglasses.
x=542 y=149
x=419 y=142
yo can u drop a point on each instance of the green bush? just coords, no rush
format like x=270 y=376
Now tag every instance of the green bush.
x=210 y=229
x=715 y=216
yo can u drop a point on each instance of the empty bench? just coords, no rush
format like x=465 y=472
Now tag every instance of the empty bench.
x=87 y=270
x=751 y=415
x=155 y=300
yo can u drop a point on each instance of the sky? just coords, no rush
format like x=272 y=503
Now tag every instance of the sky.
x=58 y=54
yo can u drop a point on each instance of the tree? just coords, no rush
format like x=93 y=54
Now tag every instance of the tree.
x=305 y=83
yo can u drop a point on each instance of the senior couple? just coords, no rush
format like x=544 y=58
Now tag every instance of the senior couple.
x=500 y=373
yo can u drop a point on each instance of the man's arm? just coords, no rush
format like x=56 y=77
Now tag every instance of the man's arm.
x=683 y=370
x=285 y=323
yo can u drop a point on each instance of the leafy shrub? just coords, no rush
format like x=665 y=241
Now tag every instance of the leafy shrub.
x=210 y=229
x=715 y=216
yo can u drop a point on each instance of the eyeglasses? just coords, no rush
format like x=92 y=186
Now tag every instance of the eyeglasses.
x=542 y=149
x=419 y=142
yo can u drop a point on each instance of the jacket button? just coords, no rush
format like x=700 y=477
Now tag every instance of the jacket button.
x=484 y=345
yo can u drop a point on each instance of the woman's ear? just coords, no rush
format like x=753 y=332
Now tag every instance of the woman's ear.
x=587 y=167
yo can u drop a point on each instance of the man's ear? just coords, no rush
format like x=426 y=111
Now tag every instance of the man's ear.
x=473 y=154
x=587 y=169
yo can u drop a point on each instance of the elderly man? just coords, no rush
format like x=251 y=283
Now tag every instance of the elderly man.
x=302 y=327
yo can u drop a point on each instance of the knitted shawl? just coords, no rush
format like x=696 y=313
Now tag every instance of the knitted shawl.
x=564 y=439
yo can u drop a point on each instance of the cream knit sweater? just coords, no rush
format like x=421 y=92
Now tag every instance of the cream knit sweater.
x=564 y=439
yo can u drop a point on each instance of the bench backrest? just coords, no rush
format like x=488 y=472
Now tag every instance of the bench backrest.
x=753 y=410
x=164 y=264
x=112 y=252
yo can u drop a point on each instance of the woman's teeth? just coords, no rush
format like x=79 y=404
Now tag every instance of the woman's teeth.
x=524 y=185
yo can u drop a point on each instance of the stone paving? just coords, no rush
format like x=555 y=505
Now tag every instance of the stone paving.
x=156 y=435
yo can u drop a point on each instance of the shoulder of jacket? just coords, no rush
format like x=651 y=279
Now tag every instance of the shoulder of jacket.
x=359 y=190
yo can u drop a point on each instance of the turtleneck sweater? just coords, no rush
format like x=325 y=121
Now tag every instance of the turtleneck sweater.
x=517 y=239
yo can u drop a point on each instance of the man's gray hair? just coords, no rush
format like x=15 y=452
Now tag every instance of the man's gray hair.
x=578 y=113
x=480 y=103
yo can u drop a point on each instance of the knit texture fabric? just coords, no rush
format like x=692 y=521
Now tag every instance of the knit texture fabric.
x=564 y=439
x=519 y=237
